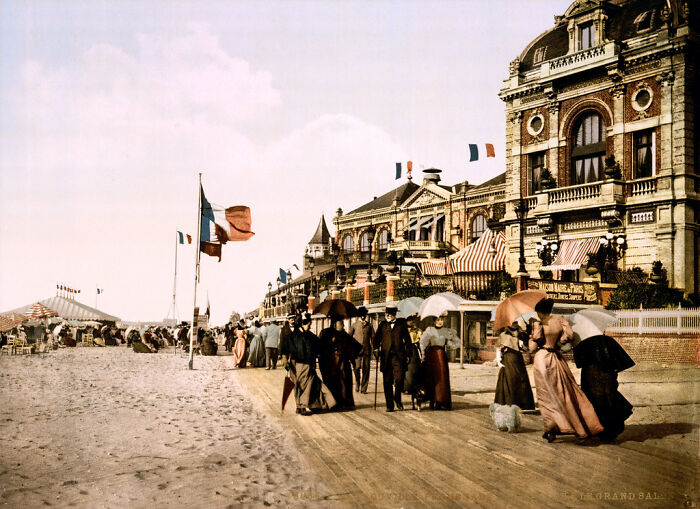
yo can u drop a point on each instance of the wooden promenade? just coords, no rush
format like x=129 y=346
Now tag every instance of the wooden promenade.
x=370 y=458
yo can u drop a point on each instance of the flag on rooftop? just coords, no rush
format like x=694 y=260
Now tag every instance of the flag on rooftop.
x=181 y=237
x=398 y=171
x=474 y=151
x=283 y=277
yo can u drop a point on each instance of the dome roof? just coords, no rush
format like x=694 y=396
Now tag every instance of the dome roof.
x=623 y=22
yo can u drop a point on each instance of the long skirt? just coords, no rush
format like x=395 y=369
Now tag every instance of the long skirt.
x=437 y=377
x=611 y=407
x=309 y=391
x=337 y=376
x=240 y=353
x=564 y=407
x=414 y=373
x=513 y=386
x=256 y=355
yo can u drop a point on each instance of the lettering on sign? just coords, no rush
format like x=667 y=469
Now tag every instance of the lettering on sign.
x=565 y=291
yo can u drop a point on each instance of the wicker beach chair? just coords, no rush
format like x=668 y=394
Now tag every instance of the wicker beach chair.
x=9 y=348
x=87 y=340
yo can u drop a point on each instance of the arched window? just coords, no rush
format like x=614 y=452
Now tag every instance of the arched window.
x=348 y=244
x=383 y=239
x=588 y=149
x=478 y=227
x=364 y=242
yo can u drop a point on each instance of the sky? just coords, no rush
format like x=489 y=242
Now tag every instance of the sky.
x=109 y=110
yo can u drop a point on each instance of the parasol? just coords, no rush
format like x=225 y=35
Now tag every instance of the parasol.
x=408 y=307
x=516 y=306
x=38 y=311
x=591 y=322
x=286 y=390
x=343 y=308
x=440 y=303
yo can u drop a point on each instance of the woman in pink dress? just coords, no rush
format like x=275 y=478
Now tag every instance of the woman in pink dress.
x=240 y=347
x=564 y=407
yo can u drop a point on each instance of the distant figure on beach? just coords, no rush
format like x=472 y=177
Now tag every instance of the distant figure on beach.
x=601 y=358
x=271 y=336
x=108 y=337
x=391 y=343
x=564 y=407
x=363 y=333
x=513 y=385
x=337 y=349
x=256 y=355
x=436 y=370
x=66 y=337
x=240 y=347
x=299 y=353
x=209 y=346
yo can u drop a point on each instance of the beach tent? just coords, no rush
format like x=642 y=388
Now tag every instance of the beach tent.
x=69 y=309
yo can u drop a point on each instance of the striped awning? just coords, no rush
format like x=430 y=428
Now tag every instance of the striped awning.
x=573 y=253
x=476 y=257
x=433 y=267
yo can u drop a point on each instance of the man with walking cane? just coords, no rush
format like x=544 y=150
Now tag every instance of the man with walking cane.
x=363 y=332
x=391 y=342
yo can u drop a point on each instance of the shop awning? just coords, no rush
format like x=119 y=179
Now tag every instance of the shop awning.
x=573 y=253
x=433 y=268
x=476 y=256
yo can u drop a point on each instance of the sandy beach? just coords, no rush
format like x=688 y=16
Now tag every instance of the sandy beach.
x=105 y=427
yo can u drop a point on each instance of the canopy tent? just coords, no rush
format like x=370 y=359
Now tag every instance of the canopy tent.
x=11 y=320
x=573 y=253
x=69 y=309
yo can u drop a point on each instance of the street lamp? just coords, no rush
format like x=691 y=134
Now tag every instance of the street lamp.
x=370 y=238
x=521 y=211
x=346 y=264
x=269 y=290
x=546 y=250
x=311 y=263
x=613 y=248
x=335 y=248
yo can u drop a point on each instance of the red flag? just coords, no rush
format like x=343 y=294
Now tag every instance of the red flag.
x=489 y=150
x=211 y=248
x=239 y=221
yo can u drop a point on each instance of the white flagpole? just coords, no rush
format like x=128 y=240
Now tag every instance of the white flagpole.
x=175 y=280
x=196 y=273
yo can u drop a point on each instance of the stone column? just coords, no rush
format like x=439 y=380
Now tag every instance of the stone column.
x=311 y=303
x=365 y=301
x=618 y=93
x=390 y=288
x=348 y=292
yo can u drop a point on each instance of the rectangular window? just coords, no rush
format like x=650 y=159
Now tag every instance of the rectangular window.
x=644 y=160
x=536 y=168
x=586 y=34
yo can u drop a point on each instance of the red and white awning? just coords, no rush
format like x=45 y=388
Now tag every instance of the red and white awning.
x=433 y=268
x=476 y=256
x=573 y=253
x=38 y=311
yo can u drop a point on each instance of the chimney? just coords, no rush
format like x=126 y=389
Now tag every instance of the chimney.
x=431 y=175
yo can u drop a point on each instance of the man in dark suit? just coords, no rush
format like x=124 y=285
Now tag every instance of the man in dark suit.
x=363 y=332
x=391 y=342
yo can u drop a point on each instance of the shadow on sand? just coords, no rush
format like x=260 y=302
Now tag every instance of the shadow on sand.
x=642 y=432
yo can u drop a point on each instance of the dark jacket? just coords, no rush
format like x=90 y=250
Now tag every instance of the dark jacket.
x=363 y=334
x=301 y=346
x=392 y=343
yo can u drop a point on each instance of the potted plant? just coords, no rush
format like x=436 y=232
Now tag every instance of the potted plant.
x=546 y=180
x=612 y=168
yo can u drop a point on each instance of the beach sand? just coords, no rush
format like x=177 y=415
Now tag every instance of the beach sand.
x=106 y=427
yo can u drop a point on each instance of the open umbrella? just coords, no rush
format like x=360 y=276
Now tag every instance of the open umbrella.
x=516 y=306
x=437 y=304
x=591 y=322
x=38 y=311
x=408 y=306
x=343 y=308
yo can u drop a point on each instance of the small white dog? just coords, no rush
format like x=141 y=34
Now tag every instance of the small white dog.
x=506 y=417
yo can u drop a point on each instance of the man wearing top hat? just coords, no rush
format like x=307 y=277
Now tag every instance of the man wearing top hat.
x=391 y=342
x=363 y=333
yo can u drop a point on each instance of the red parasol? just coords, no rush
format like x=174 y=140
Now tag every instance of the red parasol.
x=516 y=306
x=38 y=311
x=11 y=320
x=286 y=390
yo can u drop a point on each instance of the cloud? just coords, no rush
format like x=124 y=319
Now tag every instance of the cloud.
x=101 y=171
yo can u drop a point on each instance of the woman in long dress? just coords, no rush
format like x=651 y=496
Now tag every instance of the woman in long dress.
x=435 y=368
x=240 y=347
x=513 y=386
x=256 y=355
x=564 y=407
x=601 y=358
x=337 y=350
x=413 y=381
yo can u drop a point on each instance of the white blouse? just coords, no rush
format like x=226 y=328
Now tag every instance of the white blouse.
x=433 y=336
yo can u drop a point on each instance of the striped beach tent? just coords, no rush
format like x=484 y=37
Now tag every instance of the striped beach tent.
x=38 y=311
x=478 y=257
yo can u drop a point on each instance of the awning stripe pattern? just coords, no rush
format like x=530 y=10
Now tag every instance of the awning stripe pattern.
x=476 y=257
x=573 y=253
x=433 y=268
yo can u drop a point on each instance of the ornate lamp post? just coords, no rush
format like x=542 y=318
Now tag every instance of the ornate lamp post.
x=521 y=211
x=335 y=249
x=269 y=297
x=613 y=248
x=546 y=250
x=346 y=264
x=311 y=263
x=371 y=231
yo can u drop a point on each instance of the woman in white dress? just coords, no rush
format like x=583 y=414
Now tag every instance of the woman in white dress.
x=435 y=368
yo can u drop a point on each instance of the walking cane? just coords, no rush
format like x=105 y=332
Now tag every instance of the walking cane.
x=376 y=379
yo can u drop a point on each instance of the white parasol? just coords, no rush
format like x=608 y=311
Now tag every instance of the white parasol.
x=440 y=303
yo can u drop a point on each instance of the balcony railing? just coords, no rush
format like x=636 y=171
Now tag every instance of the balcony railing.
x=642 y=187
x=575 y=193
x=419 y=245
x=597 y=55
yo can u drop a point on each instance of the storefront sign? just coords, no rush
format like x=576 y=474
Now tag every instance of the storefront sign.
x=563 y=291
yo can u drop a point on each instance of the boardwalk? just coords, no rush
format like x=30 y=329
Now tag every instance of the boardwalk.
x=457 y=459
